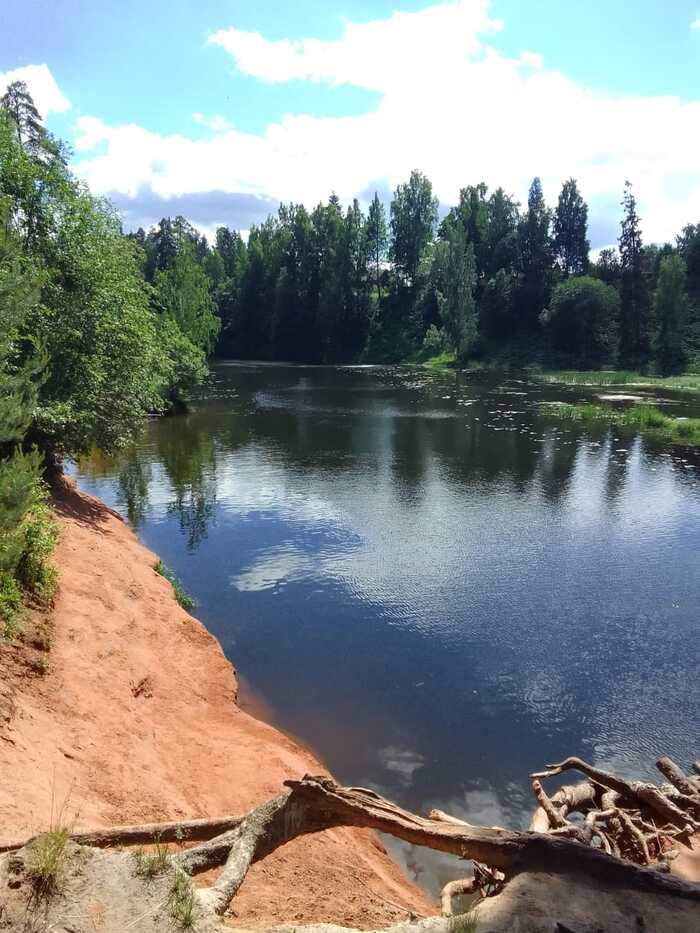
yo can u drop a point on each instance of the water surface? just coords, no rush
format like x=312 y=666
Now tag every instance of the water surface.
x=429 y=581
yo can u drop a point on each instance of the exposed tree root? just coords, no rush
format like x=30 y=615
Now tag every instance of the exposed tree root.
x=627 y=836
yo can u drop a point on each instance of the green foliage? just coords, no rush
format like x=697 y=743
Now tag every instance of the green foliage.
x=27 y=529
x=634 y=312
x=570 y=230
x=453 y=278
x=582 y=320
x=413 y=219
x=536 y=256
x=109 y=359
x=11 y=606
x=182 y=290
x=670 y=310
x=35 y=570
x=434 y=342
x=99 y=332
x=376 y=240
x=181 y=594
x=18 y=103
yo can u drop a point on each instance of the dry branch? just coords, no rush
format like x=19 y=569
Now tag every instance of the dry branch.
x=317 y=803
x=145 y=833
x=454 y=889
x=689 y=786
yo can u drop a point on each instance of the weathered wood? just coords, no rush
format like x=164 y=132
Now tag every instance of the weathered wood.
x=316 y=803
x=145 y=833
x=441 y=817
x=554 y=816
x=454 y=889
x=647 y=794
x=677 y=777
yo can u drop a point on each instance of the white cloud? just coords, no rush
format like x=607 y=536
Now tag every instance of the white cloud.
x=695 y=24
x=42 y=86
x=366 y=56
x=216 y=123
x=449 y=104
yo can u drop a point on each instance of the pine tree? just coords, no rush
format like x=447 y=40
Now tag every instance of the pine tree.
x=376 y=239
x=20 y=472
x=536 y=255
x=570 y=228
x=634 y=313
x=18 y=102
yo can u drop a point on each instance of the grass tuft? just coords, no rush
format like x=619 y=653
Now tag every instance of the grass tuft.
x=150 y=864
x=46 y=860
x=181 y=594
x=182 y=901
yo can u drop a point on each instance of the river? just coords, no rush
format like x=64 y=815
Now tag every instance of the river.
x=428 y=580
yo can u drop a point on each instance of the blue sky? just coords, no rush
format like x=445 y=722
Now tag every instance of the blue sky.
x=220 y=108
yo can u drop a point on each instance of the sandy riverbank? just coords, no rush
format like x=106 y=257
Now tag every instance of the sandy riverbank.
x=137 y=718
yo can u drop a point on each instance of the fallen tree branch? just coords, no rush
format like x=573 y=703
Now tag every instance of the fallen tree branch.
x=317 y=803
x=145 y=833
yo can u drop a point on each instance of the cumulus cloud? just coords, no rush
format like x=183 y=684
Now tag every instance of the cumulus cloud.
x=42 y=86
x=366 y=55
x=450 y=104
x=695 y=24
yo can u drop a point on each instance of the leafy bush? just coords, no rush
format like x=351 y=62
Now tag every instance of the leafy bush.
x=10 y=605
x=34 y=570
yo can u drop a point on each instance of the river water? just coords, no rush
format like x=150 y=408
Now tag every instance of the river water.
x=431 y=582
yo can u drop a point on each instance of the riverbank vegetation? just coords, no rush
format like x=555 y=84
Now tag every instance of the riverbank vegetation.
x=88 y=344
x=644 y=416
x=489 y=281
x=687 y=382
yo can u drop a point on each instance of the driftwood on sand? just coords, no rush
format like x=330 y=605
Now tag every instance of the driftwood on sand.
x=606 y=836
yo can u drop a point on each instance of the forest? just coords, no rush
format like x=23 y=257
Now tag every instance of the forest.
x=490 y=281
x=100 y=327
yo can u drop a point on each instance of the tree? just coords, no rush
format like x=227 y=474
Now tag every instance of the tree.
x=570 y=228
x=501 y=235
x=376 y=239
x=634 y=313
x=414 y=213
x=24 y=527
x=472 y=214
x=607 y=267
x=182 y=291
x=453 y=275
x=582 y=321
x=536 y=255
x=670 y=311
x=18 y=103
